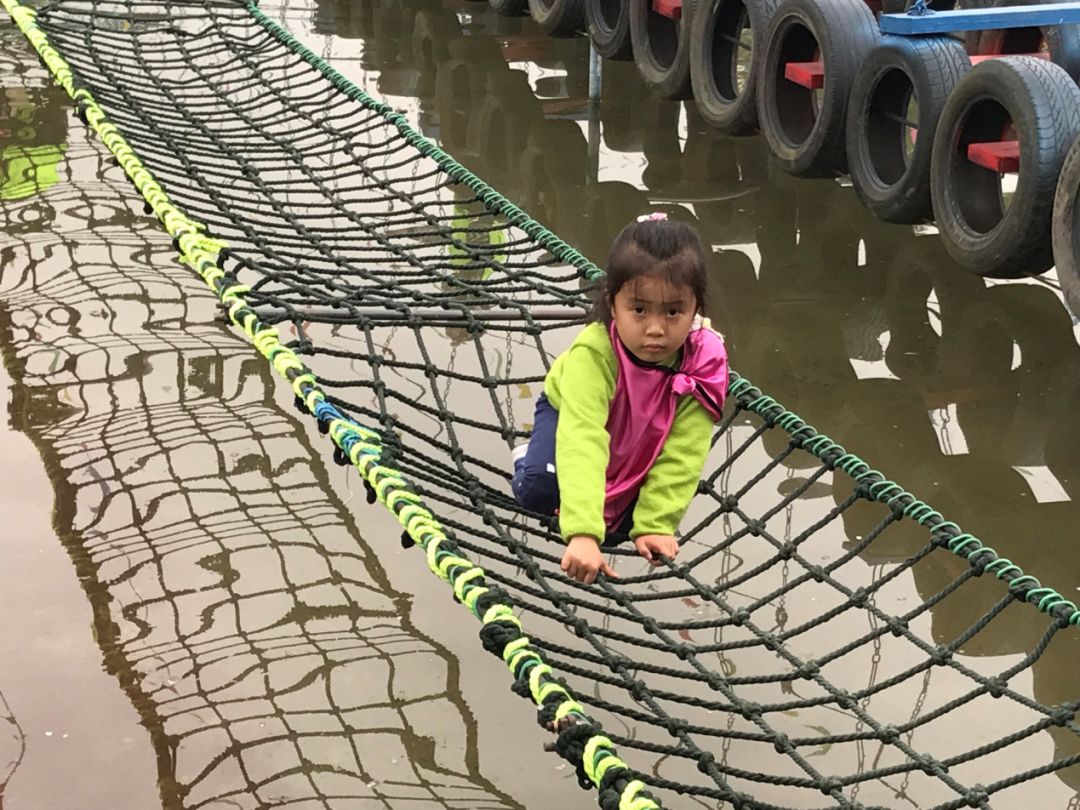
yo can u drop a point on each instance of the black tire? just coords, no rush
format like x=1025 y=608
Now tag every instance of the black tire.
x=805 y=128
x=721 y=31
x=608 y=22
x=564 y=148
x=889 y=170
x=559 y=18
x=1060 y=42
x=662 y=48
x=664 y=166
x=510 y=8
x=716 y=174
x=620 y=114
x=453 y=100
x=1041 y=103
x=499 y=129
x=1065 y=230
x=603 y=209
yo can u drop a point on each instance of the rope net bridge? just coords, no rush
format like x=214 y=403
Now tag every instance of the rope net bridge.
x=825 y=639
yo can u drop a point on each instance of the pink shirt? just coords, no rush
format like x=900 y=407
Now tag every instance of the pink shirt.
x=643 y=410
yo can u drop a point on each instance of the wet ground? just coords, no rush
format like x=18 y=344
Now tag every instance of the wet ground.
x=189 y=608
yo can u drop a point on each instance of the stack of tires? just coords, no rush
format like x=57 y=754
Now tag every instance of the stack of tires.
x=979 y=135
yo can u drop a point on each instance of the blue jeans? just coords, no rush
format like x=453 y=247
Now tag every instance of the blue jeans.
x=535 y=483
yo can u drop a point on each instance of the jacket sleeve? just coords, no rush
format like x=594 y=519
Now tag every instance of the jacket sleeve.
x=582 y=443
x=673 y=479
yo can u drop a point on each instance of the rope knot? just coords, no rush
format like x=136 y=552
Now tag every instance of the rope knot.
x=976 y=797
x=996 y=687
x=729 y=503
x=705 y=761
x=829 y=785
x=889 y=734
x=941 y=655
x=782 y=744
x=676 y=725
x=740 y=617
x=749 y=711
x=844 y=699
x=808 y=669
x=931 y=766
x=1062 y=715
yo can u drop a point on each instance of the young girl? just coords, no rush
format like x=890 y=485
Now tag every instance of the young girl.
x=623 y=427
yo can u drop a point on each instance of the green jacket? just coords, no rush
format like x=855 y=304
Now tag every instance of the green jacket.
x=580 y=386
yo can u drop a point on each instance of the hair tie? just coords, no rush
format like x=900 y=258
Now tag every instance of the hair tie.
x=657 y=216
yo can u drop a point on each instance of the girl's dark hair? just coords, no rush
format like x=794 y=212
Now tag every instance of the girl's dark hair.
x=660 y=248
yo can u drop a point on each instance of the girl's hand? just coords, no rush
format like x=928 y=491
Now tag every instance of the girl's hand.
x=649 y=545
x=583 y=560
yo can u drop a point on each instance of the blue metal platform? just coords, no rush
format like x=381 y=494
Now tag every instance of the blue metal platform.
x=980 y=19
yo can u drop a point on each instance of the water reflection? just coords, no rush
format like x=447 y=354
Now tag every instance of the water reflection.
x=260 y=640
x=12 y=744
x=866 y=330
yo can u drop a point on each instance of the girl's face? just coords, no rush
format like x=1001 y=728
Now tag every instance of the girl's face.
x=653 y=317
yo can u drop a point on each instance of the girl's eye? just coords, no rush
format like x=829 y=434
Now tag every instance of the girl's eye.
x=639 y=310
x=674 y=313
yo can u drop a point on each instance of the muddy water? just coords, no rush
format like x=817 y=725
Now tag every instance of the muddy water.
x=209 y=594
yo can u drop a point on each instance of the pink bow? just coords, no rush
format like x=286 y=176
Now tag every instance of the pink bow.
x=682 y=384
x=657 y=216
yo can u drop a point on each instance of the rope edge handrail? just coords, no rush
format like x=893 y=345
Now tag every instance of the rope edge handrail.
x=876 y=486
x=597 y=761
x=580 y=738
